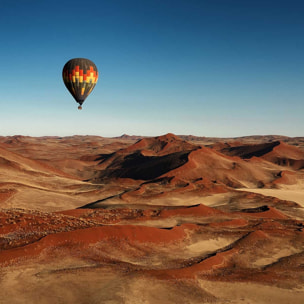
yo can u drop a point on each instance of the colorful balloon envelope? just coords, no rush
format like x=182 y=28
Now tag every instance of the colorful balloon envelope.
x=80 y=76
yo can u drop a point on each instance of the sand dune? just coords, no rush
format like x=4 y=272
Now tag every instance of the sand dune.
x=87 y=219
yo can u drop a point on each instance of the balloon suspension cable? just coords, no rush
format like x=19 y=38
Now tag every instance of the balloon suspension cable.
x=80 y=108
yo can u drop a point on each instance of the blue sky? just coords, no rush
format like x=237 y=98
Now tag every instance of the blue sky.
x=221 y=68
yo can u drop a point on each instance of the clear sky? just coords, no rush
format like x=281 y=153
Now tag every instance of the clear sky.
x=222 y=68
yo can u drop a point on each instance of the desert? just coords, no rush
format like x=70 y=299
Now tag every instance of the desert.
x=151 y=152
x=166 y=219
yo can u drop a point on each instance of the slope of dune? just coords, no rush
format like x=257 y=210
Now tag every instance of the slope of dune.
x=12 y=161
x=286 y=155
x=276 y=152
x=231 y=171
x=248 y=151
x=161 y=145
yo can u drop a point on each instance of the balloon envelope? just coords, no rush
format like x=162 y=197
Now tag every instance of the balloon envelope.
x=80 y=76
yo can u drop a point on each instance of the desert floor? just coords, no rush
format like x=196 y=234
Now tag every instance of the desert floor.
x=168 y=219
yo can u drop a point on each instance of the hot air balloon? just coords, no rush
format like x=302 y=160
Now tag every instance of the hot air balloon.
x=80 y=76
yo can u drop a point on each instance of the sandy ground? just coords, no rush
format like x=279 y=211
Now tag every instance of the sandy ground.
x=245 y=293
x=35 y=284
x=289 y=194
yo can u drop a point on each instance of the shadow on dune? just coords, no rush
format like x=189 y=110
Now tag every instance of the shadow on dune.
x=139 y=167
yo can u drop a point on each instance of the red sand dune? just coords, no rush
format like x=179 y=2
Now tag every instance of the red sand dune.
x=12 y=161
x=196 y=211
x=86 y=237
x=269 y=213
x=161 y=145
x=205 y=267
x=286 y=155
x=276 y=152
x=231 y=223
x=212 y=165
